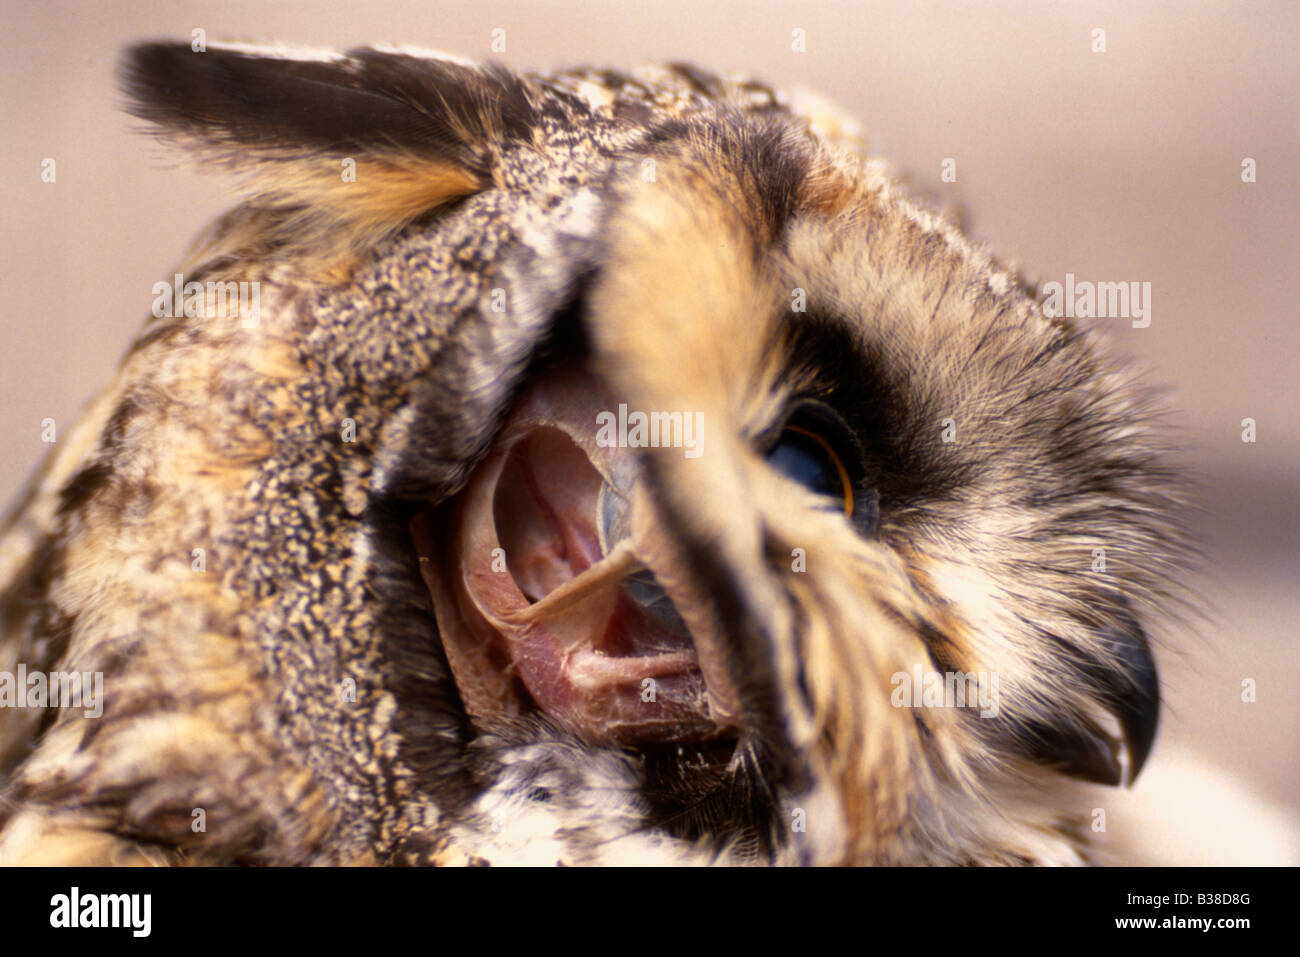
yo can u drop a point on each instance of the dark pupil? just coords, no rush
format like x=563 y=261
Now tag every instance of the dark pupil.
x=805 y=460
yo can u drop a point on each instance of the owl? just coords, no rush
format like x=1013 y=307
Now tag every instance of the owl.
x=585 y=468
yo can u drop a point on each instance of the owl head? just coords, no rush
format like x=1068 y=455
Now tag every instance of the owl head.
x=584 y=467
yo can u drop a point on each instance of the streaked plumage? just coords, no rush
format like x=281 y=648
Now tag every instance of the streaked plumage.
x=682 y=242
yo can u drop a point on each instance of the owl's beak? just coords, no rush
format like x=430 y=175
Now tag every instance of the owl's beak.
x=556 y=588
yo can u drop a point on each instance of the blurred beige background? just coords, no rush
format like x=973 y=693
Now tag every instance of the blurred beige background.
x=1123 y=165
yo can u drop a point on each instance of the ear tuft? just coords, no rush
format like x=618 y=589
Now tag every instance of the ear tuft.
x=341 y=150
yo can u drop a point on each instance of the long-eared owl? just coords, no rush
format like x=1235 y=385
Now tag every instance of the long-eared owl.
x=591 y=467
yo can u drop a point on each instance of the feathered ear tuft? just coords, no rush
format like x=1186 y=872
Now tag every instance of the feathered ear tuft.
x=340 y=150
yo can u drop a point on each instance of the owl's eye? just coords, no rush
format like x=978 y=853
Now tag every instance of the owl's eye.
x=815 y=448
x=807 y=458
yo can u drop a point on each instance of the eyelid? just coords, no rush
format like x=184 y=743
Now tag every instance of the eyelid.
x=845 y=482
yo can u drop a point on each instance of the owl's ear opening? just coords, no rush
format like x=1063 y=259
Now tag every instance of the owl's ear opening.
x=348 y=147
